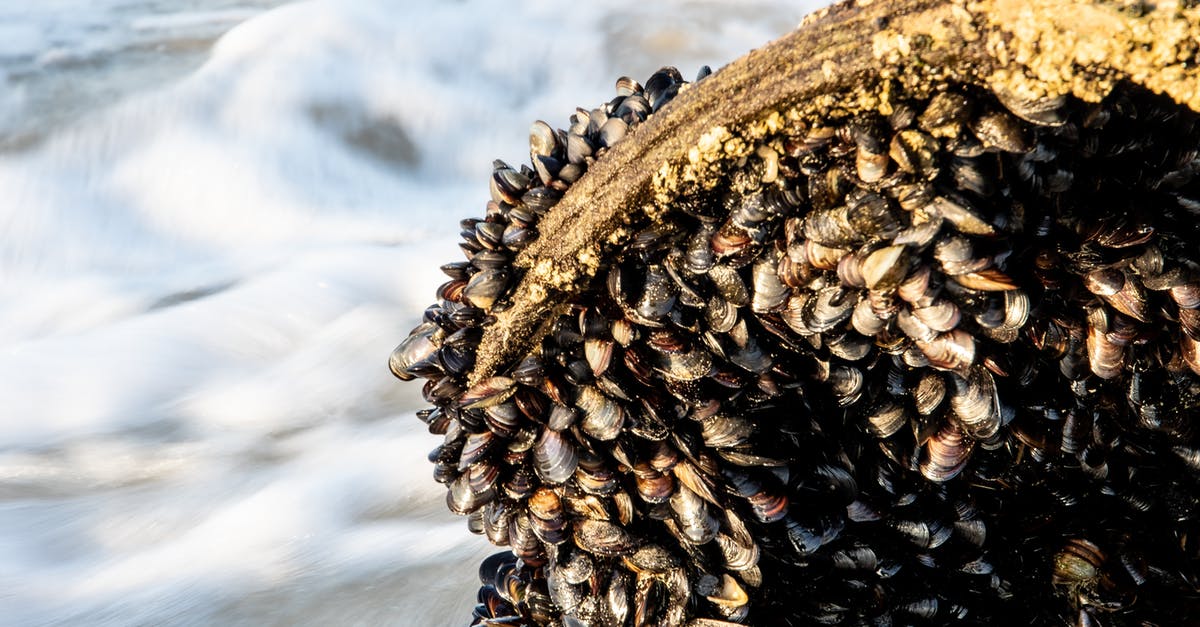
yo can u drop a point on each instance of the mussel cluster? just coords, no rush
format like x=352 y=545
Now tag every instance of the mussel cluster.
x=938 y=366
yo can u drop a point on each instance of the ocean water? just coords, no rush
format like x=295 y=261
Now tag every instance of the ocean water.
x=217 y=218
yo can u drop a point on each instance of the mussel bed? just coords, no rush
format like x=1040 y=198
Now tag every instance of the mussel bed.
x=937 y=366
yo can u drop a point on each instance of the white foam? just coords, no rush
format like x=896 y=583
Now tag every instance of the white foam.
x=200 y=284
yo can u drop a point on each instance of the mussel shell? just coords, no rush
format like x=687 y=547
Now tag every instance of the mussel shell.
x=561 y=417
x=916 y=152
x=975 y=403
x=492 y=391
x=696 y=523
x=921 y=533
x=987 y=280
x=1078 y=562
x=913 y=327
x=613 y=131
x=477 y=446
x=529 y=372
x=953 y=351
x=689 y=365
x=603 y=538
x=598 y=353
x=1105 y=357
x=728 y=593
x=1040 y=110
x=729 y=285
x=655 y=487
x=554 y=457
x=542 y=139
x=1190 y=352
x=960 y=213
x=724 y=431
x=942 y=315
x=885 y=268
x=929 y=393
x=997 y=129
x=946 y=454
x=886 y=419
x=658 y=295
x=545 y=504
x=850 y=346
x=1016 y=309
x=769 y=292
x=828 y=308
x=603 y=417
x=744 y=351
x=507 y=184
x=830 y=228
x=1186 y=295
x=945 y=113
x=865 y=321
x=464 y=498
x=737 y=556
x=416 y=355
x=822 y=257
x=485 y=287
x=720 y=314
x=662 y=86
x=519 y=484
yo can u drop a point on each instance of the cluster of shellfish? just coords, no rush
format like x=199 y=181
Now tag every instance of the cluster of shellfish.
x=939 y=366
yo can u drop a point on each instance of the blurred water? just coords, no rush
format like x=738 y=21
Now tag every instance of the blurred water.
x=218 y=218
x=62 y=59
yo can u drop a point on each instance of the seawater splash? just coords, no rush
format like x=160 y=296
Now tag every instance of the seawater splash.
x=218 y=215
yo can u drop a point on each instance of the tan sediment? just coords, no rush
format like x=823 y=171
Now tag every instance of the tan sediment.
x=850 y=57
